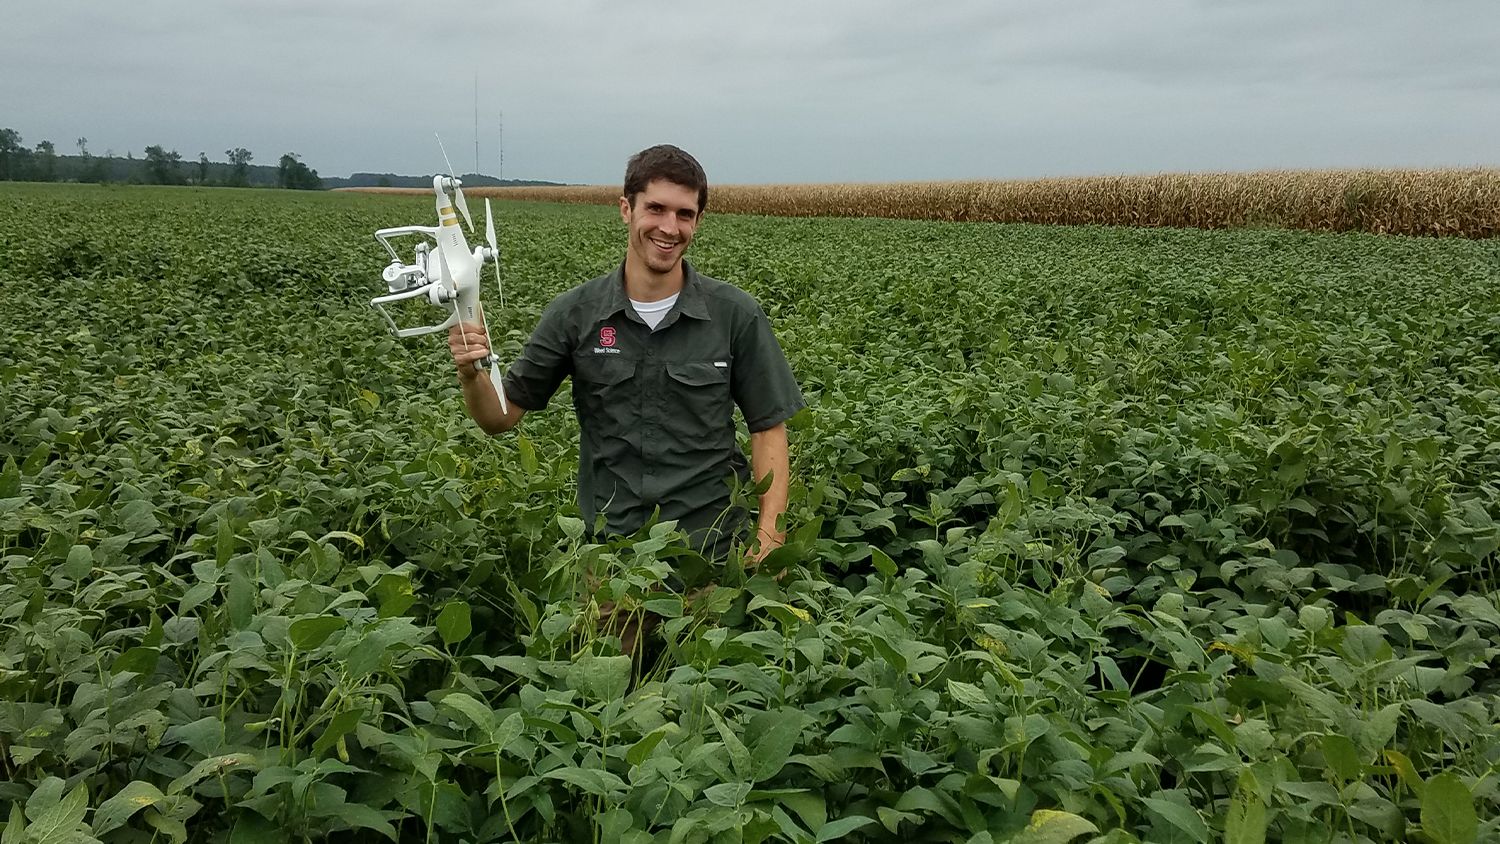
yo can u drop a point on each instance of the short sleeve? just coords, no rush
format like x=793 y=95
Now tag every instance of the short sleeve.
x=545 y=361
x=761 y=380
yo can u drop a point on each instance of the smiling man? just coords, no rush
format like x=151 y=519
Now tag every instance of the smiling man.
x=660 y=357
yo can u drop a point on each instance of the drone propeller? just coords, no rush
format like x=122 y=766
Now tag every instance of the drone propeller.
x=458 y=191
x=495 y=376
x=489 y=236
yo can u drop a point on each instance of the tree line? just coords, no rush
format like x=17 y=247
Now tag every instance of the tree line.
x=159 y=166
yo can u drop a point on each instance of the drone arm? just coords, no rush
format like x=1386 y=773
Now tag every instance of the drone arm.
x=380 y=301
x=384 y=235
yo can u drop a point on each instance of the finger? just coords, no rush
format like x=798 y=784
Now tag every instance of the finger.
x=467 y=342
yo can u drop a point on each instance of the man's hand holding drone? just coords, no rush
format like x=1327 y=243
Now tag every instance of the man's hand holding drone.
x=468 y=343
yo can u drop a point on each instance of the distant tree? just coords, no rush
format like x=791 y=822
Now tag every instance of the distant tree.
x=293 y=174
x=105 y=165
x=92 y=169
x=13 y=155
x=162 y=167
x=239 y=157
x=46 y=162
x=384 y=182
x=202 y=168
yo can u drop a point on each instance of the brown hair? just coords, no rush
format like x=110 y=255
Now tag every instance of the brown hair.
x=665 y=161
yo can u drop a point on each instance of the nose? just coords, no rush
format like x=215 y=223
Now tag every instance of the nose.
x=669 y=225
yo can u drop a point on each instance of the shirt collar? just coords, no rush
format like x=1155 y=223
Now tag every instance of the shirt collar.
x=691 y=302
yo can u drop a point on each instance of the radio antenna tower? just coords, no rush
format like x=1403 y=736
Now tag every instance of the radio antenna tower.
x=476 y=123
x=502 y=146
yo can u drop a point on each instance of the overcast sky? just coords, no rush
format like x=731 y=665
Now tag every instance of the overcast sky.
x=767 y=91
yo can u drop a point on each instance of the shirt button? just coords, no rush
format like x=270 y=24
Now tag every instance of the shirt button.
x=650 y=353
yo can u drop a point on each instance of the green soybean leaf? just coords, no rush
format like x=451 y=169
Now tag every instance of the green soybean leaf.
x=730 y=794
x=1472 y=608
x=114 y=812
x=1405 y=770
x=739 y=756
x=1050 y=826
x=601 y=678
x=882 y=562
x=309 y=633
x=360 y=816
x=1393 y=451
x=251 y=828
x=615 y=825
x=667 y=607
x=481 y=716
x=453 y=623
x=1312 y=793
x=809 y=805
x=600 y=783
x=1246 y=822
x=1180 y=815
x=342 y=724
x=239 y=595
x=836 y=830
x=509 y=730
x=213 y=766
x=521 y=666
x=394 y=594
x=641 y=750
x=10 y=479
x=80 y=562
x=773 y=745
x=15 y=829
x=524 y=604
x=60 y=821
x=223 y=541
x=139 y=660
x=528 y=454
x=969 y=695
x=572 y=527
x=1448 y=815
x=1342 y=757
x=39 y=457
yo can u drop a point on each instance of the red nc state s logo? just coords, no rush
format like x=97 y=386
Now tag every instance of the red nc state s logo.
x=607 y=336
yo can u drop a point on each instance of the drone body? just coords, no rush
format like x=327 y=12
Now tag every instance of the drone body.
x=448 y=276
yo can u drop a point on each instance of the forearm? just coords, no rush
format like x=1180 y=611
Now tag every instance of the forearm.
x=484 y=405
x=768 y=456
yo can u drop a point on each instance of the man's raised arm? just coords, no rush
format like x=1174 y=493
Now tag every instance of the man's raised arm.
x=466 y=342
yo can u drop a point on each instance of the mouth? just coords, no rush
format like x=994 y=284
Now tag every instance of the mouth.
x=663 y=245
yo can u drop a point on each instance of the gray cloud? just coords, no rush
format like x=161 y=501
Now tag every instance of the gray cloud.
x=773 y=91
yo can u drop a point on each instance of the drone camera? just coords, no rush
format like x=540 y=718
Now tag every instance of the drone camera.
x=398 y=277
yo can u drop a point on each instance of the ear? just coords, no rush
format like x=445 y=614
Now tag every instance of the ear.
x=624 y=209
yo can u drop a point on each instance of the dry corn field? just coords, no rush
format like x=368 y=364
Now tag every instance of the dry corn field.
x=1464 y=203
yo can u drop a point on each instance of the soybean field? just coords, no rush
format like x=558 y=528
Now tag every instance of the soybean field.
x=1097 y=535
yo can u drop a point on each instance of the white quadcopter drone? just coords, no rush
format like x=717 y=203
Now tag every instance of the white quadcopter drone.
x=447 y=277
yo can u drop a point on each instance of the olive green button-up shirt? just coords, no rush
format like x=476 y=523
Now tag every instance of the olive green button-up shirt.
x=656 y=408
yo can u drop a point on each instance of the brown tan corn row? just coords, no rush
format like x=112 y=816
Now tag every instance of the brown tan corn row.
x=1455 y=202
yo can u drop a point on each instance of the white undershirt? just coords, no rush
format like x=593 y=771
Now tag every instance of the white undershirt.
x=652 y=313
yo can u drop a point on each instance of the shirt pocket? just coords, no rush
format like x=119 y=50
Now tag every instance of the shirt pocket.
x=702 y=408
x=604 y=393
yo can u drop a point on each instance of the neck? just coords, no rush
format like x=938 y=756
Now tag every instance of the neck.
x=644 y=285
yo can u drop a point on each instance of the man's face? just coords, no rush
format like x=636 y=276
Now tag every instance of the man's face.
x=661 y=223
